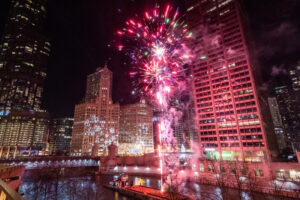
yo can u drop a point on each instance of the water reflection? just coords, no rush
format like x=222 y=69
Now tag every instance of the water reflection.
x=90 y=187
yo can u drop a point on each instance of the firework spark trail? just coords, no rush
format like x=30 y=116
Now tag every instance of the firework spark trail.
x=156 y=45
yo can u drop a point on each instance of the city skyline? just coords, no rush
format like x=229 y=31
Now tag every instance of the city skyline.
x=193 y=99
x=28 y=97
x=84 y=56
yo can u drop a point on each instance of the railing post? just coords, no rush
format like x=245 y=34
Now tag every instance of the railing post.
x=1 y=151
x=15 y=152
x=7 y=193
x=8 y=151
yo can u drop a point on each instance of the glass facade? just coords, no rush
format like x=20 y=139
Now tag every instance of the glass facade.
x=23 y=56
x=287 y=103
x=60 y=135
x=136 y=129
x=228 y=117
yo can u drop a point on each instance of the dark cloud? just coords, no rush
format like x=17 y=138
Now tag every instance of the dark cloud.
x=275 y=26
x=278 y=39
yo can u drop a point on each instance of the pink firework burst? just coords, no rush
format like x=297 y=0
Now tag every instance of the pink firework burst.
x=156 y=45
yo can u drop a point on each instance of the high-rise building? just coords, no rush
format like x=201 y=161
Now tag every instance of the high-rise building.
x=229 y=110
x=295 y=77
x=156 y=119
x=288 y=111
x=60 y=135
x=23 y=57
x=96 y=120
x=183 y=125
x=136 y=129
x=277 y=122
x=294 y=74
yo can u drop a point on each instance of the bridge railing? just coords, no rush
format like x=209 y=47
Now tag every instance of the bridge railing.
x=55 y=162
x=40 y=158
x=7 y=193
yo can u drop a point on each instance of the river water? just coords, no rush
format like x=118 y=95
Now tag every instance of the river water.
x=47 y=185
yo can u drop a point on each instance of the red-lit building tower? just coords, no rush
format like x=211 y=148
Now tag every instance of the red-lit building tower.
x=230 y=114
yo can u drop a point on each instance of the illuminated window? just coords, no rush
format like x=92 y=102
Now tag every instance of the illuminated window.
x=212 y=9
x=232 y=169
x=28 y=64
x=224 y=12
x=224 y=3
x=258 y=172
x=221 y=168
x=249 y=123
x=210 y=168
x=47 y=48
x=28 y=49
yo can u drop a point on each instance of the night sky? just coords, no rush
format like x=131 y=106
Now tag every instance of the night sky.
x=80 y=33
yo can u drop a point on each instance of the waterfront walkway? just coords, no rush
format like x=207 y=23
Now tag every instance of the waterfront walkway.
x=133 y=170
x=154 y=193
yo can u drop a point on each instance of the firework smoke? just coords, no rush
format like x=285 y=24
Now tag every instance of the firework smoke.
x=156 y=44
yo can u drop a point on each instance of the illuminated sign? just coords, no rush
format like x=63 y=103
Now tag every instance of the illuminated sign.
x=281 y=87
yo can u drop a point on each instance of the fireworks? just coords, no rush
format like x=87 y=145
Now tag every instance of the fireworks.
x=156 y=45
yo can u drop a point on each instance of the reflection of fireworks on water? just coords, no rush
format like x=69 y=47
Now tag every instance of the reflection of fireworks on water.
x=156 y=45
x=102 y=136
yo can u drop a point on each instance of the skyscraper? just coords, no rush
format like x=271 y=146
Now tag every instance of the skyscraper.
x=228 y=108
x=136 y=129
x=96 y=120
x=288 y=110
x=23 y=57
x=294 y=73
x=277 y=122
x=60 y=135
x=184 y=127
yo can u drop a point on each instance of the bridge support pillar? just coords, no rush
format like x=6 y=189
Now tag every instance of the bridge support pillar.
x=15 y=151
x=8 y=151
x=1 y=151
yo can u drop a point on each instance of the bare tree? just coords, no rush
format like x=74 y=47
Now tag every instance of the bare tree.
x=238 y=170
x=220 y=175
x=278 y=187
x=203 y=195
x=173 y=189
x=252 y=184
x=42 y=185
x=52 y=183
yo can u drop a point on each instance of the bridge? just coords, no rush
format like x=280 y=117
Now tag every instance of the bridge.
x=10 y=179
x=36 y=162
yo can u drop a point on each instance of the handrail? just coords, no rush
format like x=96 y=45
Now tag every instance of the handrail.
x=8 y=193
